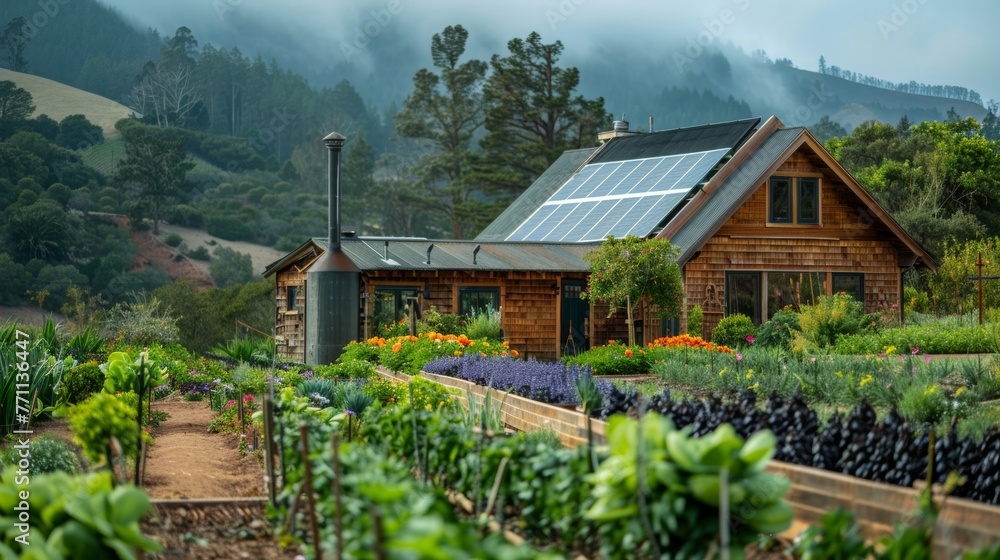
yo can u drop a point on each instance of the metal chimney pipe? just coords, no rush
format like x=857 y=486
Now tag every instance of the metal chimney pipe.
x=429 y=249
x=334 y=142
x=475 y=252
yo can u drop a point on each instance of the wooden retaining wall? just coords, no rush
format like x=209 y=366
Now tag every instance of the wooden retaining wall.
x=963 y=524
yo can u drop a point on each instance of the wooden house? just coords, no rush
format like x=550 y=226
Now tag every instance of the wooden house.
x=762 y=213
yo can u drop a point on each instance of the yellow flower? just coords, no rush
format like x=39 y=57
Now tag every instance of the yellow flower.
x=749 y=373
x=722 y=372
x=839 y=374
x=754 y=386
x=930 y=390
x=890 y=350
x=458 y=352
x=865 y=380
x=960 y=390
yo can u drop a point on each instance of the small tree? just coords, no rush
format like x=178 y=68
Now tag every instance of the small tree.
x=623 y=271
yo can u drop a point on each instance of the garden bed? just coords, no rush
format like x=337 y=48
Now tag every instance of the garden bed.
x=962 y=525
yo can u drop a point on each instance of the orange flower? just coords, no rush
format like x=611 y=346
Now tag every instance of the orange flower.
x=628 y=353
x=397 y=347
x=515 y=353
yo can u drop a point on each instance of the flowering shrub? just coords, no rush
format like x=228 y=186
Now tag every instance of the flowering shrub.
x=552 y=383
x=687 y=341
x=612 y=359
x=409 y=353
x=733 y=330
x=778 y=331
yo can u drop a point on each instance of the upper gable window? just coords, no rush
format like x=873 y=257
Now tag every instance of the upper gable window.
x=793 y=200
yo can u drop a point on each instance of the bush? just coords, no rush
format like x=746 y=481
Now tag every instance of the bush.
x=346 y=368
x=384 y=390
x=199 y=253
x=173 y=240
x=322 y=393
x=142 y=322
x=485 y=325
x=832 y=316
x=613 y=359
x=779 y=331
x=79 y=383
x=231 y=267
x=732 y=331
x=183 y=215
x=444 y=323
x=916 y=300
x=922 y=404
x=48 y=454
x=95 y=420
x=696 y=319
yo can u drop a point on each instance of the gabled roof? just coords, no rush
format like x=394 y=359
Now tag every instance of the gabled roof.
x=564 y=167
x=386 y=253
x=756 y=160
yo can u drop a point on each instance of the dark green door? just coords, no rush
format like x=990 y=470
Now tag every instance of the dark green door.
x=743 y=294
x=573 y=318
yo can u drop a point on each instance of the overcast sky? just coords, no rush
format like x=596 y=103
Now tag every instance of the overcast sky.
x=930 y=41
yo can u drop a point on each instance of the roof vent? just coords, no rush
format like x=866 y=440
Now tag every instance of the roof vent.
x=618 y=129
x=429 y=249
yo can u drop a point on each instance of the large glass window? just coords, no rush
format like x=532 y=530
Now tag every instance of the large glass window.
x=473 y=300
x=851 y=283
x=391 y=304
x=743 y=294
x=793 y=289
x=793 y=200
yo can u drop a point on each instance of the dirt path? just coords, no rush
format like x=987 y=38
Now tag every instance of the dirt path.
x=186 y=461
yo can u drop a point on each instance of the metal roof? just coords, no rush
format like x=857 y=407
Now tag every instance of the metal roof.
x=411 y=254
x=564 y=167
x=686 y=140
x=732 y=193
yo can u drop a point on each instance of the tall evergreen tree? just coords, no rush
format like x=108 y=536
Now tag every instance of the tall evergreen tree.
x=534 y=113
x=445 y=110
x=15 y=40
x=154 y=168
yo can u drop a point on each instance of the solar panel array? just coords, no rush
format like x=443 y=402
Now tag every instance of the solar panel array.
x=617 y=198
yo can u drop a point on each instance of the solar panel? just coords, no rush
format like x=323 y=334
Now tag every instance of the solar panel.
x=617 y=198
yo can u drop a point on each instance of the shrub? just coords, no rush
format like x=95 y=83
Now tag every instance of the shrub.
x=444 y=323
x=95 y=420
x=779 y=331
x=173 y=240
x=916 y=300
x=79 y=383
x=613 y=359
x=732 y=331
x=922 y=404
x=384 y=390
x=142 y=322
x=322 y=393
x=696 y=319
x=349 y=368
x=485 y=325
x=832 y=316
x=48 y=454
x=183 y=215
x=199 y=253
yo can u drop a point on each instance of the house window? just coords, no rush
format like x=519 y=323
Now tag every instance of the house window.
x=743 y=294
x=793 y=290
x=851 y=283
x=291 y=304
x=793 y=200
x=475 y=300
x=391 y=303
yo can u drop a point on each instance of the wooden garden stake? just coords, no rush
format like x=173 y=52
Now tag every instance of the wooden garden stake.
x=308 y=489
x=239 y=410
x=269 y=449
x=724 y=512
x=377 y=527
x=139 y=391
x=338 y=506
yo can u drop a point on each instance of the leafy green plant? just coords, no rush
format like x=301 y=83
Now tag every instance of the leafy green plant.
x=80 y=382
x=48 y=454
x=143 y=321
x=485 y=414
x=733 y=330
x=484 y=325
x=835 y=538
x=346 y=368
x=37 y=378
x=924 y=404
x=444 y=323
x=612 y=359
x=322 y=393
x=354 y=399
x=84 y=517
x=833 y=316
x=173 y=240
x=95 y=420
x=250 y=350
x=696 y=319
x=383 y=390
x=779 y=330
x=656 y=468
x=85 y=343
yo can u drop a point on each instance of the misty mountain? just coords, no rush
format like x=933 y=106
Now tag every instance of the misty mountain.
x=88 y=45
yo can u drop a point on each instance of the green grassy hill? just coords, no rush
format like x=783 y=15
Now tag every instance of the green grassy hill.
x=59 y=101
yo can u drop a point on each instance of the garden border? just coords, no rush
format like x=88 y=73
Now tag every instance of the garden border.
x=961 y=526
